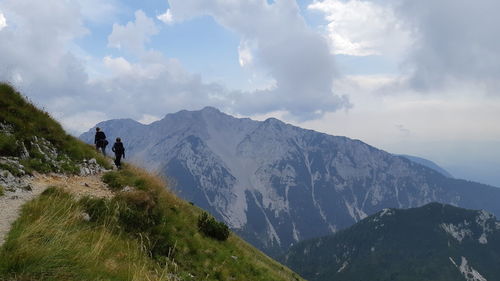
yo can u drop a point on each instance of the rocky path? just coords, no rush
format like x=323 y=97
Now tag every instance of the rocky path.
x=11 y=202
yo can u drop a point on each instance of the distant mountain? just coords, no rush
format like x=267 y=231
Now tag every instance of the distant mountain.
x=435 y=242
x=276 y=184
x=428 y=163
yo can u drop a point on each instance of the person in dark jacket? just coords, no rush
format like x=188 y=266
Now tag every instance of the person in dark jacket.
x=100 y=140
x=119 y=151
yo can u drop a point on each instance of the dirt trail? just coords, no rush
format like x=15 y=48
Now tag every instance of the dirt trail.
x=10 y=203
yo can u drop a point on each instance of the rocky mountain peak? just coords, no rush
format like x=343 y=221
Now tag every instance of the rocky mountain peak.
x=277 y=184
x=211 y=110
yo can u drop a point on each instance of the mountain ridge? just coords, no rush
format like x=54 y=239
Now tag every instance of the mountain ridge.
x=435 y=242
x=428 y=163
x=297 y=183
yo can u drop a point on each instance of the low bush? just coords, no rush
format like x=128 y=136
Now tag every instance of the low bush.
x=98 y=209
x=8 y=145
x=38 y=165
x=137 y=212
x=2 y=191
x=209 y=226
x=117 y=180
x=12 y=169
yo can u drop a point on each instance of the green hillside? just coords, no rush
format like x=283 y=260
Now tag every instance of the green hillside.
x=144 y=232
x=431 y=243
x=38 y=140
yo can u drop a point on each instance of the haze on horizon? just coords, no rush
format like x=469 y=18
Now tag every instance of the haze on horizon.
x=409 y=77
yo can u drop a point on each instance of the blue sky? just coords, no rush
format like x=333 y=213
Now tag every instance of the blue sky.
x=410 y=77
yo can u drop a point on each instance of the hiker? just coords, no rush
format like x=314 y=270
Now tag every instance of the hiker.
x=100 y=140
x=119 y=151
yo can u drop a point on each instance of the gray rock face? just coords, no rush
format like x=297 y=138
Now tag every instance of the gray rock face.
x=90 y=167
x=276 y=184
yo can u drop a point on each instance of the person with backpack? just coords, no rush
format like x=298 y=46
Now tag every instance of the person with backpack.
x=119 y=151
x=100 y=140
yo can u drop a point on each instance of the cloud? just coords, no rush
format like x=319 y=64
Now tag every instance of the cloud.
x=166 y=17
x=118 y=66
x=34 y=48
x=36 y=55
x=294 y=56
x=134 y=35
x=362 y=28
x=245 y=54
x=456 y=41
x=401 y=128
x=3 y=21
x=99 y=11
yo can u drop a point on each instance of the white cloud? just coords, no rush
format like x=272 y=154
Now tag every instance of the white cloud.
x=379 y=116
x=457 y=42
x=148 y=119
x=134 y=35
x=294 y=56
x=3 y=21
x=77 y=121
x=117 y=65
x=36 y=55
x=245 y=54
x=166 y=17
x=34 y=50
x=361 y=28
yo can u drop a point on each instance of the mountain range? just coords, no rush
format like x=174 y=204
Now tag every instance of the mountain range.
x=276 y=184
x=428 y=163
x=436 y=242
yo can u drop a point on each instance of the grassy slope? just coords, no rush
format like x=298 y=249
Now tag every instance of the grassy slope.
x=29 y=121
x=145 y=234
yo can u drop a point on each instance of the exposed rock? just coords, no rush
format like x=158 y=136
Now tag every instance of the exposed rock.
x=128 y=189
x=90 y=167
x=12 y=183
x=24 y=154
x=6 y=128
x=12 y=164
x=85 y=217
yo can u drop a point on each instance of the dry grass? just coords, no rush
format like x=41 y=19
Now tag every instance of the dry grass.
x=52 y=241
x=146 y=234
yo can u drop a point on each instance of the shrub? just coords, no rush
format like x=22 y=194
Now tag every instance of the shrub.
x=97 y=208
x=12 y=169
x=37 y=165
x=2 y=193
x=212 y=228
x=55 y=191
x=113 y=180
x=138 y=212
x=8 y=145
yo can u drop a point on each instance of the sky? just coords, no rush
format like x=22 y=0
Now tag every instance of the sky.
x=409 y=77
